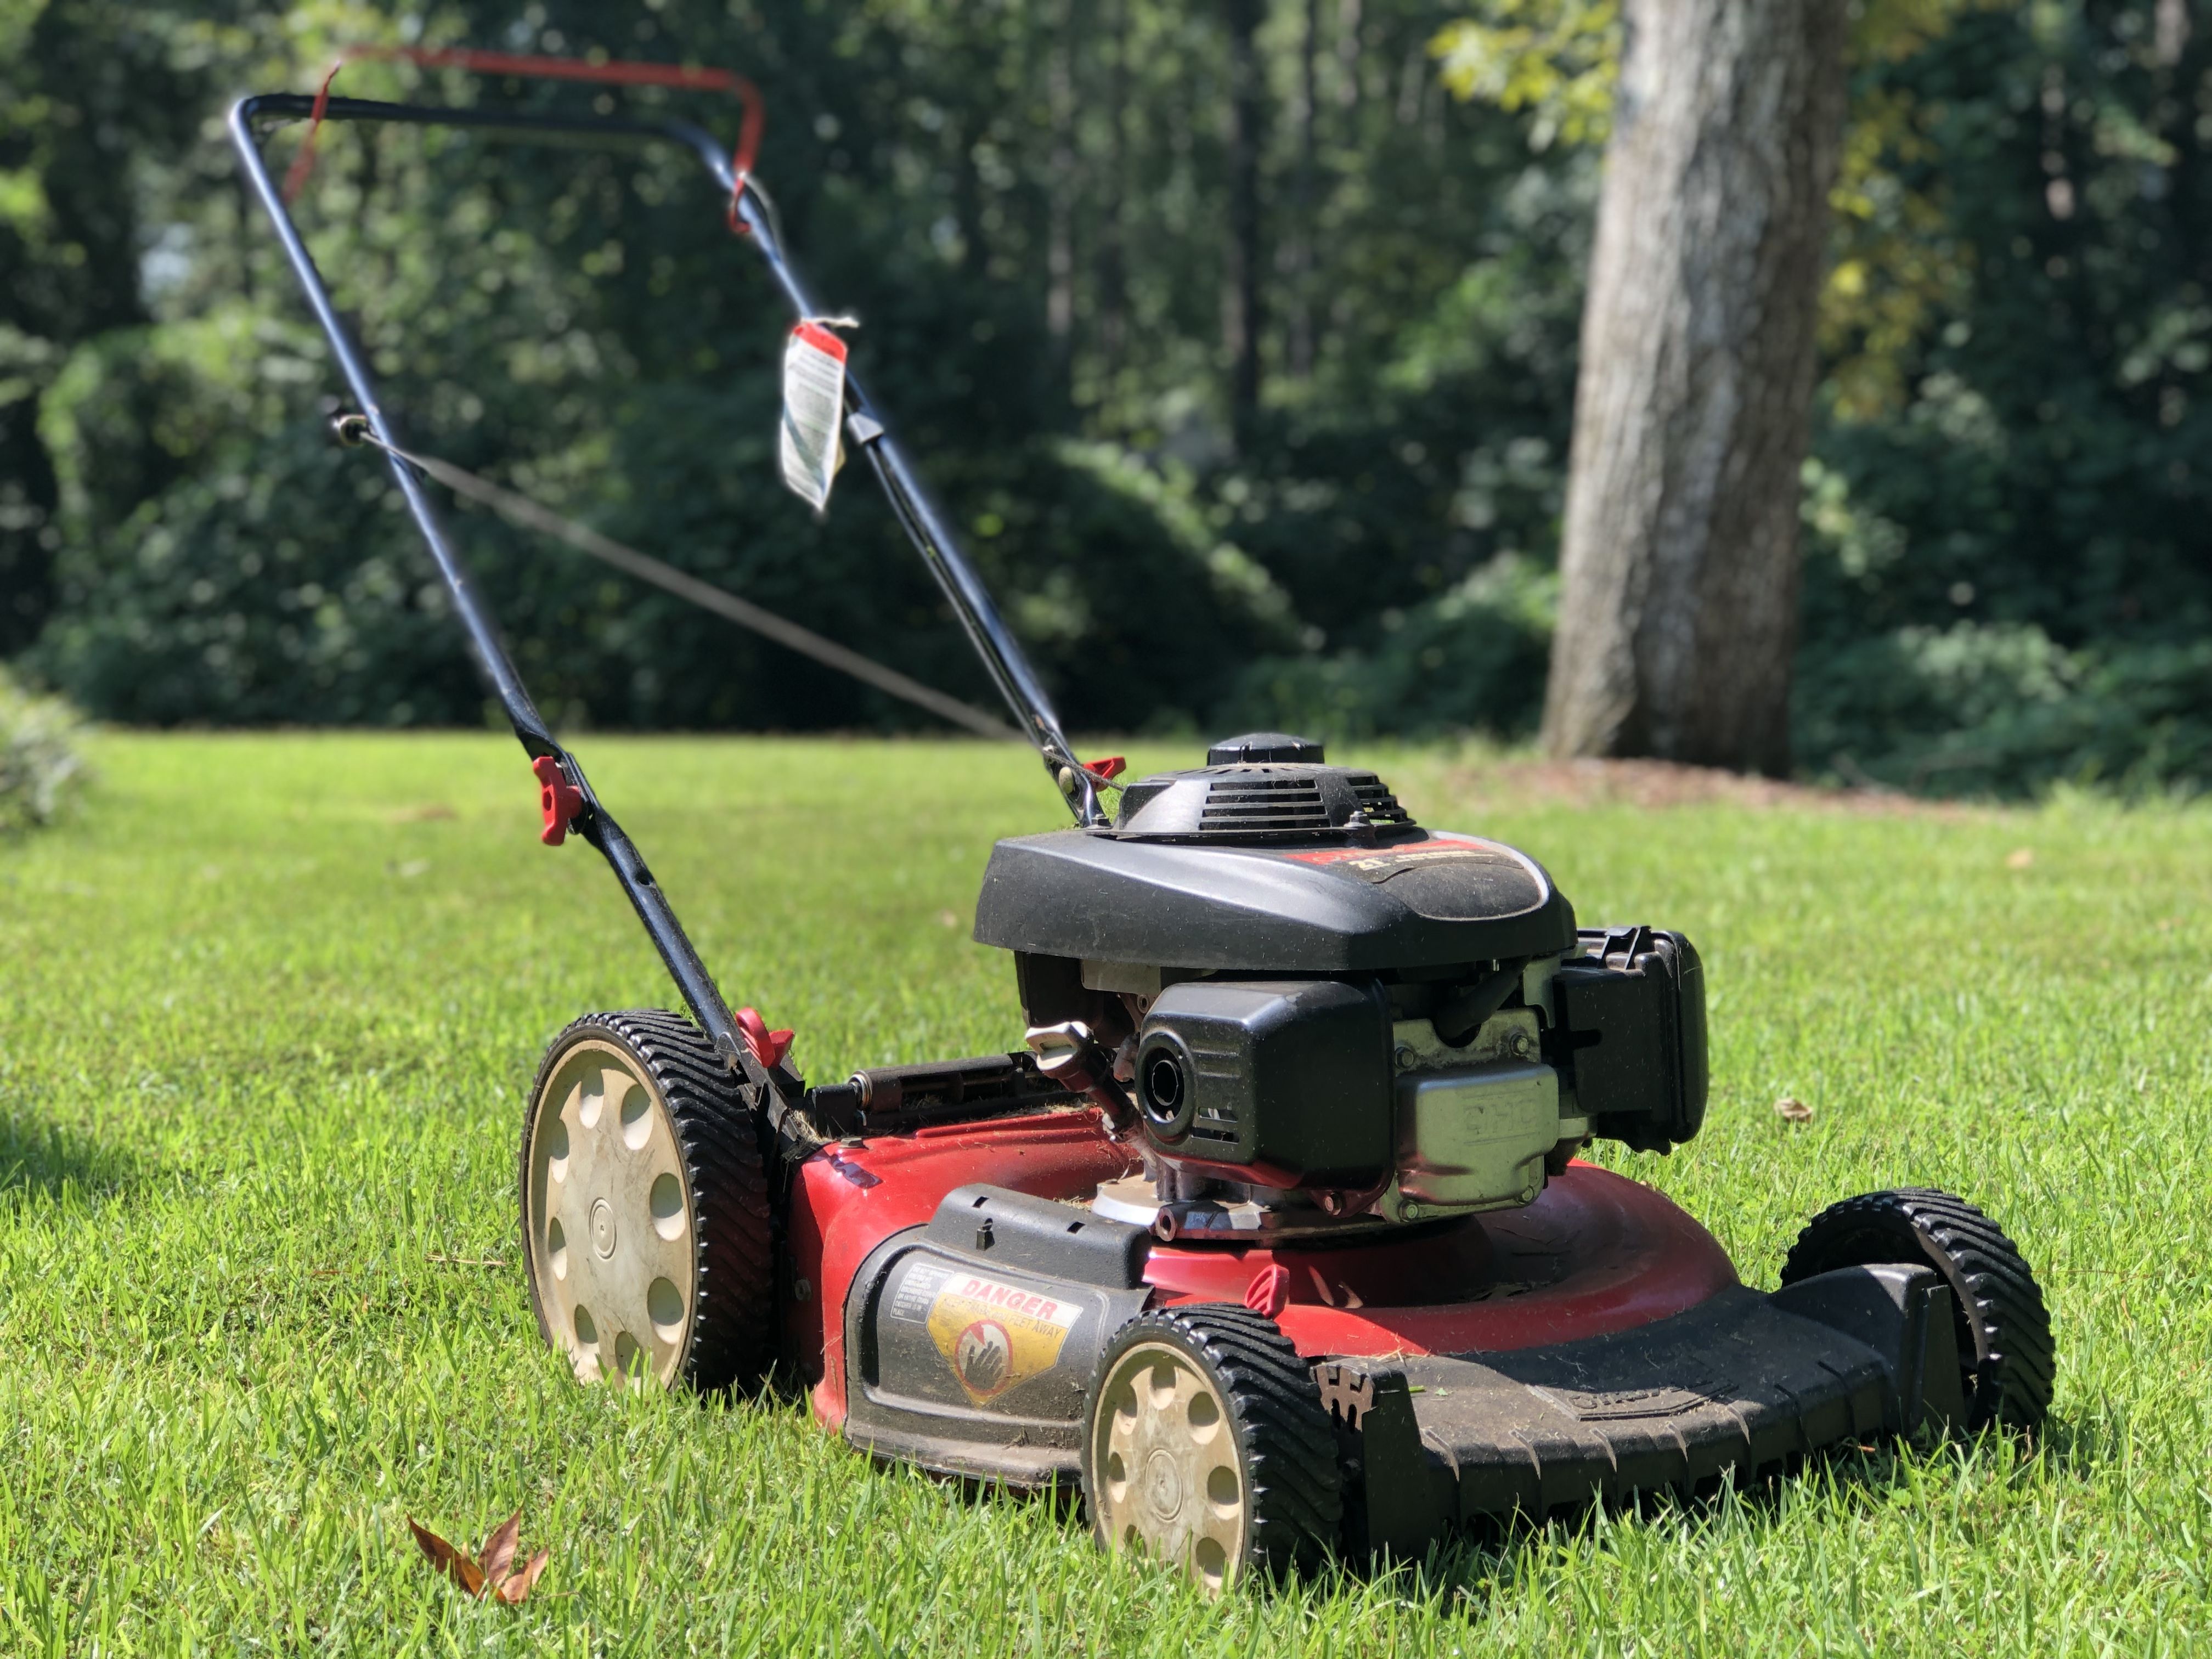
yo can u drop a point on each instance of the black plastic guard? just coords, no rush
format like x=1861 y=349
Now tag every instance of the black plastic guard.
x=969 y=1341
x=1742 y=1382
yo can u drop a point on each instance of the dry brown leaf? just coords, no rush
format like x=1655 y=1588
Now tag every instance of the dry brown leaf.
x=516 y=1589
x=499 y=1549
x=490 y=1576
x=2019 y=858
x=447 y=1560
x=1790 y=1109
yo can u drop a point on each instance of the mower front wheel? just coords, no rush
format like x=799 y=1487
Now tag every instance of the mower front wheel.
x=2005 y=1348
x=645 y=1217
x=1205 y=1446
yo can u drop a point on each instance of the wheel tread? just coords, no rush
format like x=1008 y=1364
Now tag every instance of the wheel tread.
x=1289 y=1450
x=719 y=1146
x=2000 y=1303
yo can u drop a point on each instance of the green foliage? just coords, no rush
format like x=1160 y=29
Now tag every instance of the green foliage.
x=261 y=1300
x=2005 y=582
x=42 y=764
x=1556 y=58
x=581 y=325
x=1470 y=659
x=1026 y=204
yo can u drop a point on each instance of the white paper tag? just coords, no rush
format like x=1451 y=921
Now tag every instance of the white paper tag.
x=813 y=404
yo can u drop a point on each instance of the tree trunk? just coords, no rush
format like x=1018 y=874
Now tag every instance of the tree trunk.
x=1243 y=297
x=1679 y=570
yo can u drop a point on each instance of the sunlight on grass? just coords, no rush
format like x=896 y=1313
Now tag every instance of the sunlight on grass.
x=269 y=1004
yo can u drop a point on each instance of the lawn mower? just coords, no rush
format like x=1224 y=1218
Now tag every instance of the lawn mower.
x=1267 y=1229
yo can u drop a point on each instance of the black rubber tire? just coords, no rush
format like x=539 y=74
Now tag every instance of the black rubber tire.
x=732 y=1341
x=2005 y=1348
x=1285 y=1445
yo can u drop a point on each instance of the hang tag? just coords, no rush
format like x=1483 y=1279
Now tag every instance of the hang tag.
x=813 y=405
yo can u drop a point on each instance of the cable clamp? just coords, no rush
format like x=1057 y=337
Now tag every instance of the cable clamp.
x=558 y=799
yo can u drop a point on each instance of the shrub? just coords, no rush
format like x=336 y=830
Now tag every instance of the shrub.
x=1471 y=659
x=40 y=769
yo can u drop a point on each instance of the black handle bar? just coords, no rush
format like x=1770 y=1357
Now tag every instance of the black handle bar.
x=1002 y=655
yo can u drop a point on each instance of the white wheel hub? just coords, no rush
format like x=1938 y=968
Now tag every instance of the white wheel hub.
x=612 y=1238
x=1170 y=1483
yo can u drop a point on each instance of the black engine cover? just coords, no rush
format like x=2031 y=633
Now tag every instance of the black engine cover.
x=1633 y=1012
x=1415 y=898
x=1283 y=1082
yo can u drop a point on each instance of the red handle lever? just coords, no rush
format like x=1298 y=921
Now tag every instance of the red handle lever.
x=768 y=1047
x=557 y=797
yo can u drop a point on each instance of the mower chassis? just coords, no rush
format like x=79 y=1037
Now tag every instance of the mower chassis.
x=951 y=1299
x=1592 y=1344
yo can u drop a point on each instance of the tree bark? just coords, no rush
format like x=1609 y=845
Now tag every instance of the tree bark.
x=1679 y=565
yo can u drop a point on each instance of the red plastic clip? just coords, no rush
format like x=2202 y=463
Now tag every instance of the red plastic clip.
x=768 y=1047
x=557 y=797
x=1269 y=1293
x=1109 y=769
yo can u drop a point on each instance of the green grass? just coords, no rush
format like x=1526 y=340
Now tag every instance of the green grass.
x=265 y=1026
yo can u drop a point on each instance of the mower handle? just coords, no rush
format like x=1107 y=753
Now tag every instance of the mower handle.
x=775 y=1086
x=866 y=428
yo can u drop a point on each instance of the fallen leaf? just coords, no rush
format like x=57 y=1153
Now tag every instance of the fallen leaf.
x=515 y=1589
x=498 y=1548
x=447 y=1560
x=488 y=1577
x=948 y=919
x=2019 y=858
x=1790 y=1109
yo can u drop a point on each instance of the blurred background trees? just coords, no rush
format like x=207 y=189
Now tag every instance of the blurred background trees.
x=1239 y=339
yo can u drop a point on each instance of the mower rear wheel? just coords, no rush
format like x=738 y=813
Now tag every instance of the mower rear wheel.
x=646 y=1219
x=2005 y=1348
x=1205 y=1446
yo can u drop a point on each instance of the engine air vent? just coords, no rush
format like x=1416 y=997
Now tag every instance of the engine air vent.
x=1376 y=800
x=1234 y=804
x=1260 y=802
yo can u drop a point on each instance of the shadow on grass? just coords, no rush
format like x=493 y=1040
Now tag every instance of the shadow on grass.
x=46 y=1164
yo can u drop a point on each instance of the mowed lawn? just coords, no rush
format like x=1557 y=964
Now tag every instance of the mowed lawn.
x=268 y=1007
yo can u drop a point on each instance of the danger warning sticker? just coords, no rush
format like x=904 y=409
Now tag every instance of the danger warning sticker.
x=994 y=1334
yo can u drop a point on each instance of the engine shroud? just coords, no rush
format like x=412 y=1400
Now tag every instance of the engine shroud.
x=1308 y=990
x=1413 y=898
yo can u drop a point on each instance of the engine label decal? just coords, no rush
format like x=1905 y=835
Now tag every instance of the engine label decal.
x=994 y=1334
x=1381 y=863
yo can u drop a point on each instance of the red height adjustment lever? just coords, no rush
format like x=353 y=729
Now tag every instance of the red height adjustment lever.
x=768 y=1047
x=559 y=799
x=1109 y=769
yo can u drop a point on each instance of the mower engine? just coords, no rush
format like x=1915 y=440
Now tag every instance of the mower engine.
x=1326 y=1018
